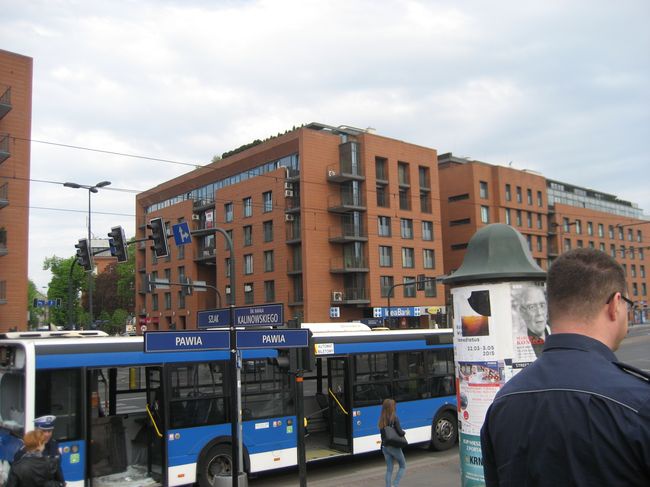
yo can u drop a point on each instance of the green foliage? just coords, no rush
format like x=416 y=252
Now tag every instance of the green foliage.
x=242 y=148
x=35 y=314
x=68 y=280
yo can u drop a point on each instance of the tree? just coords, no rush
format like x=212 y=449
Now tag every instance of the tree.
x=35 y=314
x=58 y=288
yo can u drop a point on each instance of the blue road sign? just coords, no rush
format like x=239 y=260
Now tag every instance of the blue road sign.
x=186 y=341
x=267 y=315
x=182 y=233
x=213 y=318
x=272 y=339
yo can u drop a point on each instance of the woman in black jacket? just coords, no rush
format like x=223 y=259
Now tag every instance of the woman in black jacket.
x=33 y=469
x=388 y=417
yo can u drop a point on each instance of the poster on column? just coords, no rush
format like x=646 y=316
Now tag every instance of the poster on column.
x=529 y=323
x=474 y=327
x=478 y=384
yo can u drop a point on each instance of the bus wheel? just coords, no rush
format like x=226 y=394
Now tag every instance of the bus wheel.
x=444 y=431
x=217 y=462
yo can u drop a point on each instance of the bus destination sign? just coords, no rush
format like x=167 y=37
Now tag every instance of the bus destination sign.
x=186 y=341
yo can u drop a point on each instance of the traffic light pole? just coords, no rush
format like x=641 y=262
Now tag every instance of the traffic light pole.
x=70 y=321
x=414 y=283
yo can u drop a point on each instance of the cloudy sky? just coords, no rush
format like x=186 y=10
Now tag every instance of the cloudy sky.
x=561 y=87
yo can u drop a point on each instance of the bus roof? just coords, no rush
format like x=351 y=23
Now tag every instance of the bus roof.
x=18 y=335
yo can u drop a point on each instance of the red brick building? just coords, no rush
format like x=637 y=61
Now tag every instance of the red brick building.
x=325 y=220
x=15 y=133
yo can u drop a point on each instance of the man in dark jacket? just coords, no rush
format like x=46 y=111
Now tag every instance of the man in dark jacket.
x=46 y=425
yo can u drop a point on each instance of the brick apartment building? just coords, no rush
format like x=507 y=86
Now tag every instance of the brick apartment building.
x=325 y=220
x=553 y=217
x=15 y=132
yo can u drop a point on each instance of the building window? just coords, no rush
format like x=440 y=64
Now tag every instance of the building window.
x=639 y=236
x=181 y=300
x=458 y=197
x=384 y=226
x=529 y=219
x=228 y=213
x=518 y=194
x=601 y=230
x=518 y=218
x=385 y=256
x=386 y=284
x=642 y=271
x=590 y=228
x=408 y=258
x=539 y=221
x=248 y=235
x=425 y=201
x=483 y=189
x=267 y=200
x=248 y=207
x=430 y=288
x=409 y=287
x=633 y=270
x=382 y=196
x=540 y=202
x=248 y=264
x=612 y=250
x=267 y=227
x=249 y=297
x=643 y=289
x=403 y=173
x=579 y=244
x=601 y=247
x=507 y=216
x=630 y=234
x=406 y=227
x=462 y=221
x=529 y=196
x=622 y=251
x=635 y=289
x=168 y=300
x=485 y=214
x=641 y=253
x=579 y=227
x=591 y=244
x=425 y=180
x=268 y=261
x=539 y=244
x=226 y=266
x=154 y=302
x=427 y=230
x=404 y=199
x=620 y=233
x=269 y=291
x=508 y=193
x=381 y=169
x=611 y=231
x=429 y=258
x=567 y=244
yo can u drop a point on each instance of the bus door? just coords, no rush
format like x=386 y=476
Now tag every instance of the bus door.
x=156 y=420
x=340 y=402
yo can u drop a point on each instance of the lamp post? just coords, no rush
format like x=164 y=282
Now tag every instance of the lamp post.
x=91 y=189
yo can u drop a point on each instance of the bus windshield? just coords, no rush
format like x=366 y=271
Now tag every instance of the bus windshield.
x=12 y=389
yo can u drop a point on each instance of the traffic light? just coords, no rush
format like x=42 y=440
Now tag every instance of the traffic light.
x=84 y=259
x=186 y=282
x=119 y=243
x=159 y=236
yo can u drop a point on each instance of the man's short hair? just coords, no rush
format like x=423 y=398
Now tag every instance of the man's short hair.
x=580 y=281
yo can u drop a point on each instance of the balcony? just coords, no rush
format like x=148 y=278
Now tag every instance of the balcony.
x=345 y=265
x=203 y=204
x=293 y=233
x=4 y=147
x=294 y=268
x=351 y=295
x=206 y=256
x=5 y=101
x=345 y=202
x=337 y=173
x=4 y=195
x=347 y=232
x=202 y=228
x=295 y=298
x=3 y=242
x=292 y=204
x=293 y=175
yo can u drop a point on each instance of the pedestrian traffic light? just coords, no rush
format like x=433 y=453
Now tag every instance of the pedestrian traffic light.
x=159 y=236
x=119 y=243
x=84 y=259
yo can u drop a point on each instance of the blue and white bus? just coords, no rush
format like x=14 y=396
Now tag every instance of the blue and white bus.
x=124 y=415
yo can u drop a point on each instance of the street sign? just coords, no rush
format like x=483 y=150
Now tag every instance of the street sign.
x=267 y=315
x=182 y=235
x=396 y=312
x=161 y=283
x=213 y=318
x=199 y=286
x=186 y=341
x=247 y=339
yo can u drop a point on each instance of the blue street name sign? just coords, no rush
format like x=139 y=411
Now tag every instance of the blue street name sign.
x=272 y=339
x=182 y=233
x=212 y=318
x=187 y=341
x=268 y=315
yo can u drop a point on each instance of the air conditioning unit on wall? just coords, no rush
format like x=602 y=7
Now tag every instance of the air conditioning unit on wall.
x=288 y=193
x=288 y=217
x=288 y=185
x=195 y=216
x=337 y=296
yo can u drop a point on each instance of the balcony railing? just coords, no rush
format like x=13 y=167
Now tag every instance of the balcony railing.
x=5 y=100
x=294 y=267
x=351 y=295
x=347 y=232
x=340 y=265
x=346 y=201
x=4 y=147
x=4 y=195
x=293 y=232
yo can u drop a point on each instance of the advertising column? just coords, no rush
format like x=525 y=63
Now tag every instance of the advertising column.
x=499 y=320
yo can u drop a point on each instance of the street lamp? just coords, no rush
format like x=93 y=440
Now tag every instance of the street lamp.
x=91 y=189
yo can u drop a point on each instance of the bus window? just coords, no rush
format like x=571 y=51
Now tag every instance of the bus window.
x=197 y=395
x=12 y=400
x=410 y=380
x=372 y=382
x=58 y=392
x=440 y=372
x=266 y=390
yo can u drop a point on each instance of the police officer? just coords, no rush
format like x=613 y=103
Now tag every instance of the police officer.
x=46 y=425
x=575 y=416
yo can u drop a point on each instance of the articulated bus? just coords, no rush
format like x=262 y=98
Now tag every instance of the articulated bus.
x=151 y=419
